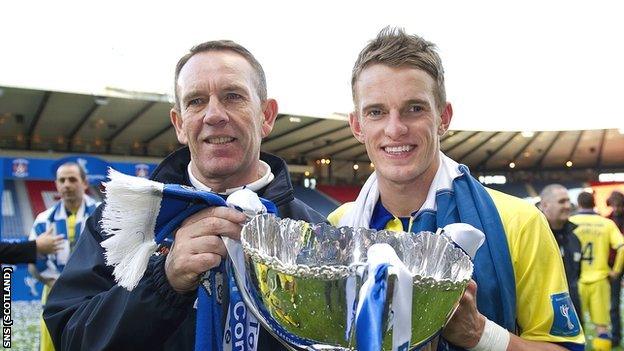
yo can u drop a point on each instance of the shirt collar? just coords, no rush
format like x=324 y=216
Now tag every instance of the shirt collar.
x=447 y=171
x=253 y=186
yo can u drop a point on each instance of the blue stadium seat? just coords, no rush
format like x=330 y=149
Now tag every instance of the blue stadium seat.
x=12 y=225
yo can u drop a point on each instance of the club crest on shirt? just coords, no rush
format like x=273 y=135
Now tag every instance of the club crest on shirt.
x=219 y=287
x=206 y=283
x=566 y=322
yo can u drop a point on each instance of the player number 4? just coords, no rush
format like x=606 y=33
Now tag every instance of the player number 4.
x=588 y=253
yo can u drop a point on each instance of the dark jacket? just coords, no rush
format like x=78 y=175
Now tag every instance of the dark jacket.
x=619 y=221
x=19 y=252
x=570 y=248
x=86 y=310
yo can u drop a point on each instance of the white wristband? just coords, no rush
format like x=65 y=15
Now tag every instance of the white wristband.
x=494 y=338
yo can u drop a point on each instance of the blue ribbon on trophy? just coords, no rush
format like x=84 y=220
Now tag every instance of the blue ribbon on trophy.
x=383 y=263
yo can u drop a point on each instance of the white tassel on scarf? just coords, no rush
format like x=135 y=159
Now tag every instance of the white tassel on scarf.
x=131 y=241
x=139 y=214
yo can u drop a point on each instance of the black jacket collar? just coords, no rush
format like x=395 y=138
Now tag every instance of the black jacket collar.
x=173 y=169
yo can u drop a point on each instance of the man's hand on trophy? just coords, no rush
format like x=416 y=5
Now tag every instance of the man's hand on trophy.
x=198 y=246
x=466 y=326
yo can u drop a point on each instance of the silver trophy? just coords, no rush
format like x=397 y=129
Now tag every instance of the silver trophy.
x=302 y=281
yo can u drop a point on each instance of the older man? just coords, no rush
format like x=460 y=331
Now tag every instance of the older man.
x=556 y=206
x=400 y=114
x=65 y=219
x=221 y=112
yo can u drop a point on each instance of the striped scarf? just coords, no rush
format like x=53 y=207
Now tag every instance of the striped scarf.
x=52 y=265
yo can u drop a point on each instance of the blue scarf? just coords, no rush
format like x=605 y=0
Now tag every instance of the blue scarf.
x=469 y=202
x=58 y=218
x=133 y=233
x=242 y=328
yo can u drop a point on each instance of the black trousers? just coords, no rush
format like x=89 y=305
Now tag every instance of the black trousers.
x=616 y=321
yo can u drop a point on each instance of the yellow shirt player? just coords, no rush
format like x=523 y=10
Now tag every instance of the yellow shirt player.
x=400 y=113
x=538 y=277
x=597 y=236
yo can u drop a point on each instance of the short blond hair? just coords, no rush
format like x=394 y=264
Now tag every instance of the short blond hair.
x=395 y=48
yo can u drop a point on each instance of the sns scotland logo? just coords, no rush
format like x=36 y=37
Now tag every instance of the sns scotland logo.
x=566 y=322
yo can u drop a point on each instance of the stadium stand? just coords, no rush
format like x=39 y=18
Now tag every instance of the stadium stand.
x=318 y=201
x=569 y=184
x=42 y=194
x=340 y=193
x=515 y=189
x=12 y=223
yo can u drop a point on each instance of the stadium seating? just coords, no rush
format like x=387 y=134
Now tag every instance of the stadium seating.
x=318 y=201
x=515 y=189
x=12 y=223
x=340 y=193
x=42 y=194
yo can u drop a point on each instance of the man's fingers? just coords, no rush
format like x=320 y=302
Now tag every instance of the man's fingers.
x=201 y=263
x=470 y=295
x=208 y=244
x=472 y=287
x=210 y=226
x=216 y=211
x=197 y=264
x=195 y=217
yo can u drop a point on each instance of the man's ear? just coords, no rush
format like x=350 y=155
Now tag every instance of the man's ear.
x=269 y=113
x=356 y=126
x=445 y=119
x=176 y=120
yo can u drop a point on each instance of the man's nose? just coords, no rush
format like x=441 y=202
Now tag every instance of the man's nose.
x=395 y=126
x=215 y=113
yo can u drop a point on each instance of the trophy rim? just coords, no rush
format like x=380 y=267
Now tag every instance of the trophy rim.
x=341 y=271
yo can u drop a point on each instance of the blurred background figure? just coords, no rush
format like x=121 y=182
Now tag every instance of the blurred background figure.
x=65 y=219
x=616 y=202
x=597 y=235
x=556 y=206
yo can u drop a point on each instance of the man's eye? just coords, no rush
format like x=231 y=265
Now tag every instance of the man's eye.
x=374 y=113
x=415 y=108
x=233 y=96
x=195 y=101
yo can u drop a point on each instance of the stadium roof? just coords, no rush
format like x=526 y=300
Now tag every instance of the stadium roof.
x=125 y=123
x=510 y=65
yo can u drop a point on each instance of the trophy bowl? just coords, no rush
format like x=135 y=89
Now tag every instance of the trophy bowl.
x=302 y=280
